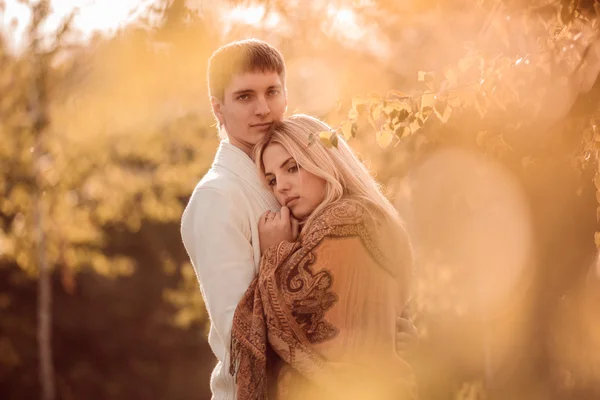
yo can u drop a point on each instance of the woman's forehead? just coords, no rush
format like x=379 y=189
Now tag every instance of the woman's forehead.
x=275 y=156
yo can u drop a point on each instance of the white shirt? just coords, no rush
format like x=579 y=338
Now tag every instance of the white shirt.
x=219 y=228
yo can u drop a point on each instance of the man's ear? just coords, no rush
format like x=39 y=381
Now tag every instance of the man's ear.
x=216 y=105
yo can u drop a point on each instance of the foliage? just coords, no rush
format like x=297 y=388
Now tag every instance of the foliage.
x=130 y=133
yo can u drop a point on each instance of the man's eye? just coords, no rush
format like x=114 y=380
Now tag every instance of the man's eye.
x=274 y=92
x=243 y=97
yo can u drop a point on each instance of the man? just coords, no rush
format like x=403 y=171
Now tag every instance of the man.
x=220 y=224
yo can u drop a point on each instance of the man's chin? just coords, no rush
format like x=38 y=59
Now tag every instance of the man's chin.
x=258 y=137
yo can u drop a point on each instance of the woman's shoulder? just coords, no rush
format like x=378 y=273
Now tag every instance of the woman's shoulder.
x=354 y=217
x=347 y=211
x=345 y=217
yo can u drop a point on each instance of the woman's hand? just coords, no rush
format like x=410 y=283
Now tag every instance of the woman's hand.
x=276 y=227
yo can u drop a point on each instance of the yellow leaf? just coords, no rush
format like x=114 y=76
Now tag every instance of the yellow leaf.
x=325 y=138
x=427 y=100
x=384 y=138
x=397 y=93
x=445 y=115
x=357 y=101
x=415 y=126
x=376 y=112
x=347 y=130
x=389 y=109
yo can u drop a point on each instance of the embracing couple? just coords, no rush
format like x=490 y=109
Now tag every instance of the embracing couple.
x=303 y=264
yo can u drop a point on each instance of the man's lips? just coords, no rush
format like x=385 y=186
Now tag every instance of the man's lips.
x=290 y=199
x=264 y=125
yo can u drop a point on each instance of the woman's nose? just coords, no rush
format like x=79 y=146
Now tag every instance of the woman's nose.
x=283 y=185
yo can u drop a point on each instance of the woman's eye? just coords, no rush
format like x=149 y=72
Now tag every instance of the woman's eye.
x=293 y=169
x=271 y=182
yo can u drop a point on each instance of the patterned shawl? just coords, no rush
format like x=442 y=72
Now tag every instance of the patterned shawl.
x=321 y=315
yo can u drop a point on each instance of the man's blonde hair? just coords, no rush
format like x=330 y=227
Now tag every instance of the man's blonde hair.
x=242 y=56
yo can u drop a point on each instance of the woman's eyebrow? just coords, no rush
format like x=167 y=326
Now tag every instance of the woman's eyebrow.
x=281 y=166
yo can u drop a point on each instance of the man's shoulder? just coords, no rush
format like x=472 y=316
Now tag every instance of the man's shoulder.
x=218 y=180
x=215 y=198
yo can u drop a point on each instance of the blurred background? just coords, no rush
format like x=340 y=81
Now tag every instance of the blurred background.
x=480 y=118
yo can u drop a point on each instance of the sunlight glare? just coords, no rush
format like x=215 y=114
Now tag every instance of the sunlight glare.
x=93 y=16
x=344 y=22
x=245 y=15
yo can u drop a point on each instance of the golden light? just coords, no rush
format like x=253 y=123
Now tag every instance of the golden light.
x=92 y=16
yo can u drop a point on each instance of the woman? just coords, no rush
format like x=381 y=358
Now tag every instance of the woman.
x=319 y=320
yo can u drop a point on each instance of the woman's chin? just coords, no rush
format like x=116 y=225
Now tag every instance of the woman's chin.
x=300 y=214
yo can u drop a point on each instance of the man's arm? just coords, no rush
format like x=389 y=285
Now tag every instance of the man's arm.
x=217 y=239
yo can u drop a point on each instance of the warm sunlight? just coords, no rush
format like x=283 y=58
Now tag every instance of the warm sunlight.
x=431 y=231
x=93 y=15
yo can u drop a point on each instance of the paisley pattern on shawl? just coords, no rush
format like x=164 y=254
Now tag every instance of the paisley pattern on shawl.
x=285 y=306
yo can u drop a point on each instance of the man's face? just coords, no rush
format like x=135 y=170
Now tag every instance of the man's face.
x=251 y=103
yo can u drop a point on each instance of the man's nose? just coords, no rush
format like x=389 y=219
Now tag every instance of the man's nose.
x=262 y=107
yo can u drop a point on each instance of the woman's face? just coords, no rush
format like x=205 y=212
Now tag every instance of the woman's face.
x=294 y=187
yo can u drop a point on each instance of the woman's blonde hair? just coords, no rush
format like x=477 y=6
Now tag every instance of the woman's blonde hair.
x=345 y=175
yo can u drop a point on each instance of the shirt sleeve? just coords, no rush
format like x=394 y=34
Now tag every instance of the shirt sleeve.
x=217 y=238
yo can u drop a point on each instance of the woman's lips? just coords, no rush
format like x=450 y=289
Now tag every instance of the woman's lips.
x=291 y=201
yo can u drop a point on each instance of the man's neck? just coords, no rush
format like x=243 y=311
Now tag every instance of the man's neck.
x=243 y=146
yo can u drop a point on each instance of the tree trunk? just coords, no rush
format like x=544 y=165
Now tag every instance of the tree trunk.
x=38 y=109
x=44 y=315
